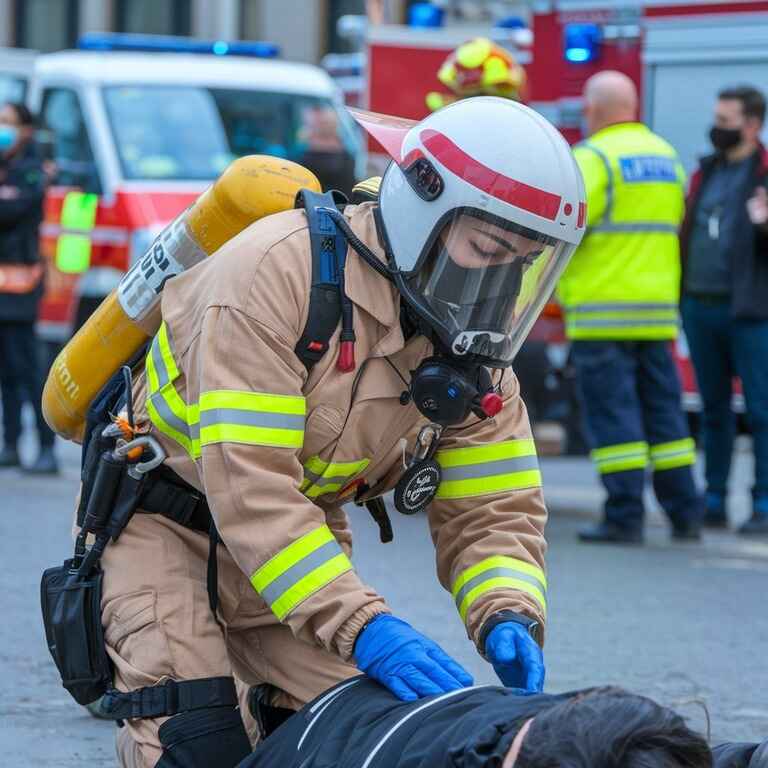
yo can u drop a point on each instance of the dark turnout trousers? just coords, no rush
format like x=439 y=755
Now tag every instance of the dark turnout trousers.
x=631 y=399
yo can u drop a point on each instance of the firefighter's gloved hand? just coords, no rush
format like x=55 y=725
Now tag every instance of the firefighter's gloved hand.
x=516 y=657
x=405 y=661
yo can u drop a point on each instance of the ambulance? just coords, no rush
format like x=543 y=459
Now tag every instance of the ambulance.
x=139 y=126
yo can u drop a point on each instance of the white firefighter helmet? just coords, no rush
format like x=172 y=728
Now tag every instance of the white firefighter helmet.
x=482 y=207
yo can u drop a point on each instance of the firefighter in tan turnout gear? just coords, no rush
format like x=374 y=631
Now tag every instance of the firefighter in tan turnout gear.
x=271 y=424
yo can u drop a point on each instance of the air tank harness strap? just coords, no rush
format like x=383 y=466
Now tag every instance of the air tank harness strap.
x=328 y=301
x=170 y=698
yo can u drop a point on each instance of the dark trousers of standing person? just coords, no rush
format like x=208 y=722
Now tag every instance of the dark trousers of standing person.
x=21 y=379
x=630 y=395
x=721 y=348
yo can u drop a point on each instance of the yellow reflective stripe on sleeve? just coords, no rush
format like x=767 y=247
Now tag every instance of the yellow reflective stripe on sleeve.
x=321 y=477
x=486 y=469
x=233 y=416
x=621 y=457
x=167 y=410
x=255 y=418
x=677 y=453
x=499 y=572
x=252 y=401
x=479 y=454
x=301 y=569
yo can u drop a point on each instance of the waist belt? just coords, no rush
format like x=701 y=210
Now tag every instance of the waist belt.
x=168 y=495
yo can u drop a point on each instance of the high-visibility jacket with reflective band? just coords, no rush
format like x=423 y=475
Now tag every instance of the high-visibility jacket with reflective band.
x=277 y=452
x=623 y=282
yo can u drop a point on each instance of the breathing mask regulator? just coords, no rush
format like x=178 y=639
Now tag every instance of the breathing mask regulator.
x=478 y=213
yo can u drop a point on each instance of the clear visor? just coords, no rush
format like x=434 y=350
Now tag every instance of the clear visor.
x=486 y=280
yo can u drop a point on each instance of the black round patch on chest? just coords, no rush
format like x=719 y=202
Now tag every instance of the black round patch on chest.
x=417 y=487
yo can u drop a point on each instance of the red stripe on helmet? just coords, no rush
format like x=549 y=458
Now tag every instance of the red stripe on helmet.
x=504 y=188
x=582 y=215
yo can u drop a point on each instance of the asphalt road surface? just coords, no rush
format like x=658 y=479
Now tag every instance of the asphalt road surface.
x=687 y=625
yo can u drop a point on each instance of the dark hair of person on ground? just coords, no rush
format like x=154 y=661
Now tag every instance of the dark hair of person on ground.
x=611 y=728
x=752 y=100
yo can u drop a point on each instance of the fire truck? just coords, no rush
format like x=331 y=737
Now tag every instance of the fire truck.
x=138 y=127
x=678 y=53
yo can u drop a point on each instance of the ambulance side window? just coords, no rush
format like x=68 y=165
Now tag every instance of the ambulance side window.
x=62 y=115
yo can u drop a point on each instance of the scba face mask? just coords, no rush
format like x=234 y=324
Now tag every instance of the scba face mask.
x=482 y=282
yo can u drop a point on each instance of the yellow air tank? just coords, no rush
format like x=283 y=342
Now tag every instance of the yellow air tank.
x=249 y=189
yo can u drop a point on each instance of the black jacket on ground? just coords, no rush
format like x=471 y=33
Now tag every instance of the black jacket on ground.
x=20 y=219
x=749 y=270
x=360 y=724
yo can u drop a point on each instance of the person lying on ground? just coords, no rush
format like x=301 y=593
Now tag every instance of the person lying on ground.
x=360 y=724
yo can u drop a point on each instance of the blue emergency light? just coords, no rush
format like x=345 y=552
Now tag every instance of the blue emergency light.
x=105 y=41
x=425 y=15
x=582 y=42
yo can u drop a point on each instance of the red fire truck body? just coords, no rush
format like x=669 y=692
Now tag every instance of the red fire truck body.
x=679 y=54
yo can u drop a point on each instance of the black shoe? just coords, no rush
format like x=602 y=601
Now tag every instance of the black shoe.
x=45 y=464
x=715 y=519
x=9 y=457
x=757 y=525
x=687 y=532
x=610 y=533
x=715 y=515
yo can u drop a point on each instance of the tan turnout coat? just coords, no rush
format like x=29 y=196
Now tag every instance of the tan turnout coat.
x=278 y=451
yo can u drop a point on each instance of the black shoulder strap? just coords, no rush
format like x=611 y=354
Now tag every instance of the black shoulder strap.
x=329 y=249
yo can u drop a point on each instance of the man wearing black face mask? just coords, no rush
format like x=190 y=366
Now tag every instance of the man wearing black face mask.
x=724 y=245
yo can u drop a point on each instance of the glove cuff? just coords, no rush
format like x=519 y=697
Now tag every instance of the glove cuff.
x=502 y=617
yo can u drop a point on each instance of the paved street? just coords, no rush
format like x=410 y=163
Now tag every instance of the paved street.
x=685 y=624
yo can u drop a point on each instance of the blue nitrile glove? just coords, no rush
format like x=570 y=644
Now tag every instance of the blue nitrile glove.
x=405 y=661
x=516 y=656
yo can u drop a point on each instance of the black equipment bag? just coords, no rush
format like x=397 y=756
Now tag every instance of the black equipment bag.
x=71 y=606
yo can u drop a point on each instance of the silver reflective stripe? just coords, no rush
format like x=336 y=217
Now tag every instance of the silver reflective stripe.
x=671 y=454
x=275 y=589
x=157 y=359
x=213 y=416
x=491 y=468
x=412 y=713
x=319 y=481
x=170 y=418
x=635 y=226
x=323 y=704
x=644 y=307
x=608 y=212
x=621 y=323
x=495 y=573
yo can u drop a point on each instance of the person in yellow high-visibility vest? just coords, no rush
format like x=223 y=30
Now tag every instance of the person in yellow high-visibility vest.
x=620 y=296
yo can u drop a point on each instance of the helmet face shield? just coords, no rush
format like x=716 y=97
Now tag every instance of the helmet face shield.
x=485 y=280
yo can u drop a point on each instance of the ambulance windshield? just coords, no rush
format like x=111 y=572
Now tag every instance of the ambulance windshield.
x=193 y=132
